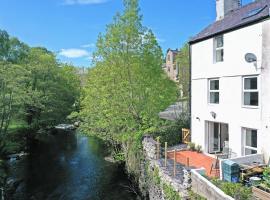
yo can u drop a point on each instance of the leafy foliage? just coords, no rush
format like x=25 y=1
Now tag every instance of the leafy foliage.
x=34 y=88
x=170 y=193
x=127 y=88
x=266 y=176
x=182 y=61
x=235 y=190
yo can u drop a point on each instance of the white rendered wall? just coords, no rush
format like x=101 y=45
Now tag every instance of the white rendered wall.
x=230 y=73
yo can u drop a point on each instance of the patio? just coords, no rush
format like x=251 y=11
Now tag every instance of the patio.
x=196 y=160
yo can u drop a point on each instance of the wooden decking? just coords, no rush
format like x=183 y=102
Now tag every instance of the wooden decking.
x=195 y=159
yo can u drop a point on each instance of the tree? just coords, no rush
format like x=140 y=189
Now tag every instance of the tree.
x=182 y=61
x=127 y=88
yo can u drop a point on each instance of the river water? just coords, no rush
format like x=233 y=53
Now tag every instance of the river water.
x=72 y=167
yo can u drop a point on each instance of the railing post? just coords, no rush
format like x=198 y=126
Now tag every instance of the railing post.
x=158 y=148
x=174 y=163
x=166 y=146
x=187 y=161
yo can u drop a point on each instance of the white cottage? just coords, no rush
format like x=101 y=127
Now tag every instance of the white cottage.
x=230 y=80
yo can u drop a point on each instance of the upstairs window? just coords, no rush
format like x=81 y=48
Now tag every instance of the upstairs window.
x=214 y=91
x=250 y=91
x=218 y=49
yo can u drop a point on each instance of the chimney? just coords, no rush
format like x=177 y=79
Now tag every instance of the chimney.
x=224 y=7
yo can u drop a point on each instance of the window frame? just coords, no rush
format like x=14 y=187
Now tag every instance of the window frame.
x=250 y=91
x=244 y=145
x=216 y=48
x=213 y=91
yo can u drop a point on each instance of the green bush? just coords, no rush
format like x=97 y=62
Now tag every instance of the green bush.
x=170 y=193
x=235 y=190
x=266 y=176
x=192 y=146
x=198 y=148
x=172 y=132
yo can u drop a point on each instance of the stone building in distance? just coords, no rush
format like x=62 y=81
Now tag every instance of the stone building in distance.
x=170 y=66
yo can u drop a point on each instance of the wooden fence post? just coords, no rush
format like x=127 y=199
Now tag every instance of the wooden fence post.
x=174 y=164
x=166 y=146
x=187 y=161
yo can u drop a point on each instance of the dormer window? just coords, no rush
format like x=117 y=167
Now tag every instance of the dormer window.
x=218 y=49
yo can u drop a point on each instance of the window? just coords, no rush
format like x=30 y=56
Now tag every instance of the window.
x=214 y=91
x=169 y=58
x=218 y=49
x=250 y=141
x=250 y=91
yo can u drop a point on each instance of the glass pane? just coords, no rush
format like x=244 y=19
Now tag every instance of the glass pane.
x=219 y=41
x=251 y=98
x=214 y=97
x=219 y=55
x=250 y=151
x=251 y=138
x=251 y=83
x=214 y=84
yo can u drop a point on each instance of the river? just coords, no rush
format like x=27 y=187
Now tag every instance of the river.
x=70 y=168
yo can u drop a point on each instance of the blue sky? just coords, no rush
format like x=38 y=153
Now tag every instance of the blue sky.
x=70 y=27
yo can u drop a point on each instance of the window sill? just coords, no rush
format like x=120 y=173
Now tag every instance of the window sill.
x=213 y=104
x=250 y=107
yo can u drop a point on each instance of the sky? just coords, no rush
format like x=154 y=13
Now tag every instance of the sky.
x=70 y=28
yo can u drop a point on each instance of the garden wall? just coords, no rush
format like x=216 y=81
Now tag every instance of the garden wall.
x=205 y=188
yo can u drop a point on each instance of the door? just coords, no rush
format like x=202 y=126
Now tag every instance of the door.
x=214 y=132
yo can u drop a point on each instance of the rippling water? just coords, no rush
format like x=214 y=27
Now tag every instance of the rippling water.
x=70 y=168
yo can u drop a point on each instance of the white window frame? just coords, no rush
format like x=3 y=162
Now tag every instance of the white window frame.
x=218 y=48
x=215 y=91
x=250 y=90
x=244 y=146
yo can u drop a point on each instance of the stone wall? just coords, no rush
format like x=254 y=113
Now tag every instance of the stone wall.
x=181 y=183
x=205 y=188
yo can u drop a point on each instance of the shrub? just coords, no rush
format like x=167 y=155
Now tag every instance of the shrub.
x=192 y=146
x=266 y=176
x=199 y=148
x=170 y=193
x=235 y=190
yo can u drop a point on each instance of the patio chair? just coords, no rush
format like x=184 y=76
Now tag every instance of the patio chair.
x=226 y=153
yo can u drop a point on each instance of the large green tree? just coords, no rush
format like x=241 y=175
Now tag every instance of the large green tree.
x=127 y=88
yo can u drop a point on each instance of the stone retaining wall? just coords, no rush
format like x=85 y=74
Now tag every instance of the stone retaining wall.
x=181 y=183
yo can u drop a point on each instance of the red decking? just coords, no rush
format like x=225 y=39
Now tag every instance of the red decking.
x=197 y=160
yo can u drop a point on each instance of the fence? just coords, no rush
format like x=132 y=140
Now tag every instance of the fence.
x=170 y=158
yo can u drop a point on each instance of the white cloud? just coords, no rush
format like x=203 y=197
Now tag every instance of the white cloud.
x=83 y=2
x=91 y=45
x=74 y=53
x=161 y=40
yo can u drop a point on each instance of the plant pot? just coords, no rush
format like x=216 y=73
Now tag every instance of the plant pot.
x=260 y=193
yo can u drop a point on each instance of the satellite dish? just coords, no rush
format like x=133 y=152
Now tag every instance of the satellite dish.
x=250 y=58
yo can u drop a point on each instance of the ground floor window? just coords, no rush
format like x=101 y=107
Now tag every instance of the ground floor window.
x=250 y=141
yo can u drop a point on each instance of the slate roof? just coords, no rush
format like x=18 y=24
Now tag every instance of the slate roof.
x=258 y=10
